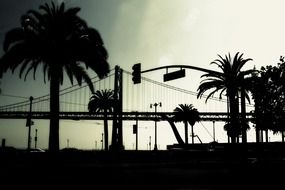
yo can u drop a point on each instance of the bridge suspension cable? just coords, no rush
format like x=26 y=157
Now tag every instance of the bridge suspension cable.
x=135 y=98
x=182 y=90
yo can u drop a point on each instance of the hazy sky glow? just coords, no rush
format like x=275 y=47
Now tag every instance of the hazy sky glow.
x=155 y=33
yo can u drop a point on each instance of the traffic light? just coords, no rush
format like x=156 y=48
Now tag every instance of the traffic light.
x=136 y=73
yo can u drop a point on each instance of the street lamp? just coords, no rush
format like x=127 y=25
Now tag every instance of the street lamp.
x=155 y=126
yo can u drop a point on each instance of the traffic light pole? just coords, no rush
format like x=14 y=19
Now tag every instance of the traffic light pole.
x=168 y=76
x=137 y=131
x=182 y=66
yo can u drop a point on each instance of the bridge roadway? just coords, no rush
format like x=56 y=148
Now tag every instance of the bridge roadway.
x=142 y=116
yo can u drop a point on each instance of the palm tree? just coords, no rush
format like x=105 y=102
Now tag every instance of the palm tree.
x=61 y=42
x=102 y=101
x=231 y=131
x=230 y=80
x=186 y=113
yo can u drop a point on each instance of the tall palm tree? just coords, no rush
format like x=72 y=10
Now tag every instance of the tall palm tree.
x=230 y=80
x=102 y=101
x=186 y=113
x=61 y=42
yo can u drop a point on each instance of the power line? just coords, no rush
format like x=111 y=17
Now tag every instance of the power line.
x=206 y=129
x=14 y=96
x=46 y=97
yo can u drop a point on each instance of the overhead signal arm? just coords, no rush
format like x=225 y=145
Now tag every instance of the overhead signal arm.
x=168 y=76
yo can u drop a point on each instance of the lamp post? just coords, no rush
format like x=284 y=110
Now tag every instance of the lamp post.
x=155 y=124
x=136 y=130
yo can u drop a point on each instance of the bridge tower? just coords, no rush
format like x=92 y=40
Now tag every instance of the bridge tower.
x=117 y=133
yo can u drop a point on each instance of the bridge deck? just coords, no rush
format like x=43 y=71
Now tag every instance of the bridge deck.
x=142 y=116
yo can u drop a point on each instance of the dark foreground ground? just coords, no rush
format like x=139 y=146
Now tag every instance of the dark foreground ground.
x=223 y=169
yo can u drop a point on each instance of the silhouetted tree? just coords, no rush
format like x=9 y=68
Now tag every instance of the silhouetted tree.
x=262 y=113
x=102 y=101
x=269 y=94
x=61 y=42
x=231 y=131
x=230 y=80
x=186 y=113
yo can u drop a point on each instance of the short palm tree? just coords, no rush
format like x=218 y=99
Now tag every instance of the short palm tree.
x=102 y=101
x=186 y=113
x=230 y=80
x=61 y=42
x=231 y=131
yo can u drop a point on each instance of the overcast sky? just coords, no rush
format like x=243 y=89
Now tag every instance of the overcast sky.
x=162 y=32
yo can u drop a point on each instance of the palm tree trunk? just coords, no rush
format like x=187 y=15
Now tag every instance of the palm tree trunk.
x=54 y=112
x=192 y=131
x=257 y=134
x=186 y=131
x=257 y=115
x=233 y=114
x=261 y=136
x=243 y=116
x=266 y=136
x=106 y=135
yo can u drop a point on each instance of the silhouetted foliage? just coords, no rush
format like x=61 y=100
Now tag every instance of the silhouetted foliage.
x=232 y=132
x=102 y=101
x=230 y=80
x=268 y=91
x=186 y=113
x=61 y=42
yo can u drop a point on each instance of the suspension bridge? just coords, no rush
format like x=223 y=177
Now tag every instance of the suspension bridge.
x=134 y=103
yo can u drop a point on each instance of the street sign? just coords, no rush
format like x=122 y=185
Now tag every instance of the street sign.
x=174 y=75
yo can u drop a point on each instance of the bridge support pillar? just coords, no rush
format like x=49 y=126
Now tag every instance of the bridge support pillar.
x=117 y=133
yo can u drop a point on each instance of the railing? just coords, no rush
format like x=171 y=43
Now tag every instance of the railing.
x=146 y=116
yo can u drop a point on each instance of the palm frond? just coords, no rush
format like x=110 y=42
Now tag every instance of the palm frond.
x=13 y=36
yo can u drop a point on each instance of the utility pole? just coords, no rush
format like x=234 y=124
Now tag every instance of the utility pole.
x=155 y=124
x=36 y=138
x=214 y=138
x=102 y=140
x=149 y=144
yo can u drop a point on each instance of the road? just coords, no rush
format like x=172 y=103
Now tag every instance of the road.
x=140 y=170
